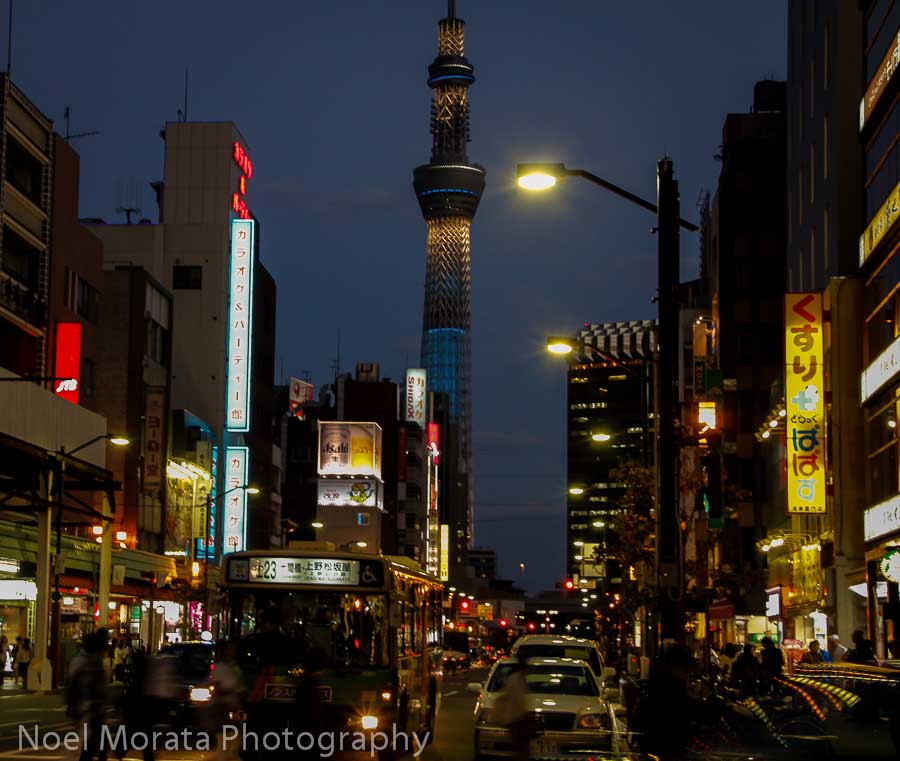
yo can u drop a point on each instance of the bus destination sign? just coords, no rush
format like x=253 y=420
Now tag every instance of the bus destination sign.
x=332 y=571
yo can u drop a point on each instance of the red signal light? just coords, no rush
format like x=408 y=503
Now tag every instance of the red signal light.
x=503 y=623
x=570 y=584
x=464 y=605
x=531 y=626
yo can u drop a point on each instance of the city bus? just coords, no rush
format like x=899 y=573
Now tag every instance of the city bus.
x=368 y=626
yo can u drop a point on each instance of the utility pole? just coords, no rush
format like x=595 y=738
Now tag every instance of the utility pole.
x=669 y=548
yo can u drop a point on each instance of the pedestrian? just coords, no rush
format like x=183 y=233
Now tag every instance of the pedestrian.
x=86 y=696
x=745 y=671
x=511 y=709
x=4 y=657
x=835 y=649
x=137 y=712
x=22 y=659
x=727 y=658
x=771 y=663
x=863 y=650
x=667 y=713
x=227 y=682
x=120 y=656
x=813 y=655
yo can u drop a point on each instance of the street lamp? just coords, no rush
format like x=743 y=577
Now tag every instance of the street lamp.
x=601 y=437
x=104 y=572
x=560 y=345
x=546 y=175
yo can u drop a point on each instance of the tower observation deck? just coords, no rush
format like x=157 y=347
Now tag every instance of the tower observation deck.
x=448 y=189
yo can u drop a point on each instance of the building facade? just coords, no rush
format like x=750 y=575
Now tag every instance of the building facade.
x=879 y=260
x=608 y=426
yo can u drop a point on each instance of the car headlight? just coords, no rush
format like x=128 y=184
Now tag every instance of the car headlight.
x=369 y=722
x=590 y=721
x=201 y=694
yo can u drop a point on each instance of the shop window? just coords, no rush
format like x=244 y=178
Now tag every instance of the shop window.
x=884 y=475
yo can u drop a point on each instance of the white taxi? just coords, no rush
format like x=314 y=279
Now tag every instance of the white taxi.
x=566 y=700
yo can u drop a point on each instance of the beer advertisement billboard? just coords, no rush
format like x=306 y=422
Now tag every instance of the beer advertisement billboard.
x=349 y=449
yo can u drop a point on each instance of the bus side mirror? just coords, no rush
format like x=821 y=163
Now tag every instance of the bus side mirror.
x=474 y=687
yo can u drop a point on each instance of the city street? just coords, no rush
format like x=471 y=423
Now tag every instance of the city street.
x=453 y=741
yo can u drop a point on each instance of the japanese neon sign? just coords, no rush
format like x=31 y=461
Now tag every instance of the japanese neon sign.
x=804 y=403
x=238 y=204
x=236 y=472
x=68 y=361
x=240 y=325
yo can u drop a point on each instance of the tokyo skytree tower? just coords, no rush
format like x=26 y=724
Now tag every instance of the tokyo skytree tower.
x=448 y=189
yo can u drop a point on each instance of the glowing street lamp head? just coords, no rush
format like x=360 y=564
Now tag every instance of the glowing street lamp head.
x=119 y=441
x=539 y=176
x=601 y=437
x=251 y=490
x=560 y=345
x=576 y=490
x=317 y=524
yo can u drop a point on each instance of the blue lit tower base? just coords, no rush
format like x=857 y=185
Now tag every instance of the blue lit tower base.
x=449 y=189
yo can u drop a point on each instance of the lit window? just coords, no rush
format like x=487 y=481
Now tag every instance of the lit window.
x=618 y=377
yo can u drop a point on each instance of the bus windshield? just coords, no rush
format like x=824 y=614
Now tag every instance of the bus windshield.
x=332 y=628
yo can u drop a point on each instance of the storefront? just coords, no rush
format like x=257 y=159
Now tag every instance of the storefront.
x=882 y=584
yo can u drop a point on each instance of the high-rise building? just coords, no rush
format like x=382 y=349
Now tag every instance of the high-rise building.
x=825 y=215
x=448 y=189
x=746 y=285
x=879 y=260
x=608 y=424
x=223 y=299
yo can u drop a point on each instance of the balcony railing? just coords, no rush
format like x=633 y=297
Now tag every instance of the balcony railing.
x=22 y=302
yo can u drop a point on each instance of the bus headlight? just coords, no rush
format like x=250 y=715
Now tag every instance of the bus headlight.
x=201 y=694
x=369 y=722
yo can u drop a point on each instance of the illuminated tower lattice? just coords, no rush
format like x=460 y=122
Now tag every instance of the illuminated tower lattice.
x=449 y=189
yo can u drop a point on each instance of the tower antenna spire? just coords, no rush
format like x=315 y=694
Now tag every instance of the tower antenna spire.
x=451 y=8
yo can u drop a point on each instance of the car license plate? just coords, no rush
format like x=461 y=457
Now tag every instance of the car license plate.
x=543 y=748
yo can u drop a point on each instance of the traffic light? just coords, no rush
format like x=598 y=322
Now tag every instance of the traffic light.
x=464 y=605
x=531 y=626
x=570 y=584
x=503 y=623
x=712 y=492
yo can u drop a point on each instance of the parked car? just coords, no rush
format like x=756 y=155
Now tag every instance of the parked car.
x=571 y=710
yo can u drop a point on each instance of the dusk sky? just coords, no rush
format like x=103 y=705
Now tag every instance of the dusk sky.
x=332 y=100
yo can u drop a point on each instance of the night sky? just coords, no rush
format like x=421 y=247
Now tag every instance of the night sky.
x=332 y=100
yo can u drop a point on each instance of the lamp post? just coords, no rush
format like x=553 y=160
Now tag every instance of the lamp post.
x=105 y=556
x=668 y=552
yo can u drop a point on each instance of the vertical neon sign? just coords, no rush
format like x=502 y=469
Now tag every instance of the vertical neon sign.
x=68 y=361
x=240 y=325
x=236 y=472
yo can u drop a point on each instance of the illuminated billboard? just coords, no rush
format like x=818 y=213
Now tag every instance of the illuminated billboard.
x=154 y=438
x=240 y=325
x=879 y=225
x=804 y=403
x=415 y=396
x=68 y=361
x=349 y=492
x=236 y=474
x=445 y=552
x=300 y=392
x=349 y=449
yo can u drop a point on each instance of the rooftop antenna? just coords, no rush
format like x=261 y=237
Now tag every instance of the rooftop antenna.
x=70 y=137
x=336 y=365
x=185 y=92
x=129 y=199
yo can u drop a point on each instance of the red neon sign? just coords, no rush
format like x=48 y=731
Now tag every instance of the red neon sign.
x=68 y=361
x=240 y=207
x=434 y=439
x=243 y=160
